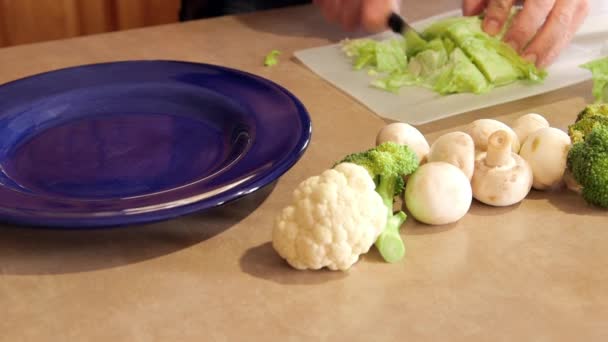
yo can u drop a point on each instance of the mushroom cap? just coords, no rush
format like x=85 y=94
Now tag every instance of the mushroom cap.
x=438 y=193
x=528 y=124
x=456 y=148
x=504 y=185
x=481 y=130
x=546 y=150
x=405 y=134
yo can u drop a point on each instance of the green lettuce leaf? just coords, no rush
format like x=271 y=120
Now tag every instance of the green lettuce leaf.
x=599 y=71
x=382 y=56
x=396 y=81
x=272 y=58
x=461 y=75
x=414 y=43
x=390 y=56
x=453 y=55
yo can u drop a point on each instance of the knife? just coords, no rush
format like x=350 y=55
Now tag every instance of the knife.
x=398 y=25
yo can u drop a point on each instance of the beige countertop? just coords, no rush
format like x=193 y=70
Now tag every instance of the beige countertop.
x=537 y=271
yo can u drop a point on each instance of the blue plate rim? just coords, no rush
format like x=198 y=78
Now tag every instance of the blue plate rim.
x=242 y=190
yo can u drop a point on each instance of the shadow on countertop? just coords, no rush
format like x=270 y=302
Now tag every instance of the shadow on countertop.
x=264 y=263
x=30 y=251
x=568 y=202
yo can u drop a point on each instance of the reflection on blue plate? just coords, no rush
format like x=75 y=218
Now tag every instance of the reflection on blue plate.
x=140 y=141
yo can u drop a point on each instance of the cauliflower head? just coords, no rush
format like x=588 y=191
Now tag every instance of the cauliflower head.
x=334 y=218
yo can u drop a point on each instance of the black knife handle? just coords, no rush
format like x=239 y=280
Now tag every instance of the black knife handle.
x=396 y=23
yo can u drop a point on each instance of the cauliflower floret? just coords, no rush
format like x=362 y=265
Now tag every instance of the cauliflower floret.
x=334 y=218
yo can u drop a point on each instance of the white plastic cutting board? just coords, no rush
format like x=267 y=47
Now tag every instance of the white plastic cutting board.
x=418 y=106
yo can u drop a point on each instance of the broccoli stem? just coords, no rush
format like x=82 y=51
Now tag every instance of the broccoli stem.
x=389 y=243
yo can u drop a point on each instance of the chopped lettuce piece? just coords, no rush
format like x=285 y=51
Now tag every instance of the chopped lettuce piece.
x=527 y=70
x=396 y=81
x=599 y=71
x=449 y=45
x=362 y=50
x=271 y=58
x=461 y=75
x=383 y=56
x=453 y=55
x=429 y=62
x=439 y=28
x=414 y=43
x=390 y=56
x=495 y=67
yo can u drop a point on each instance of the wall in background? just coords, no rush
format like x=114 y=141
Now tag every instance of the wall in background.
x=28 y=21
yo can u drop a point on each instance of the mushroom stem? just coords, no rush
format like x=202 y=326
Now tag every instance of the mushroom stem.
x=499 y=149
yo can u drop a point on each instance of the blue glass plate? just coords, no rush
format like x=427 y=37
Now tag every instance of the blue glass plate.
x=140 y=141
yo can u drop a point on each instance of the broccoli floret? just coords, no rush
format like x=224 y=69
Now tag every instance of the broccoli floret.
x=581 y=129
x=387 y=164
x=592 y=115
x=588 y=162
x=593 y=110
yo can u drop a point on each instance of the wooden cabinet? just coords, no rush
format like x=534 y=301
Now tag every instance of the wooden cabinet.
x=27 y=21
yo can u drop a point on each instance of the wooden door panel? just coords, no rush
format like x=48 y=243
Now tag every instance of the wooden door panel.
x=96 y=16
x=28 y=21
x=139 y=13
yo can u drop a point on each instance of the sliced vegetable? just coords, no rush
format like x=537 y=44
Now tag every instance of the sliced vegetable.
x=461 y=75
x=453 y=55
x=272 y=58
x=599 y=70
x=384 y=56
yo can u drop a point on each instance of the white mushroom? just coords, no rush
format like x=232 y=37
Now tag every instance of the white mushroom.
x=528 y=124
x=501 y=177
x=546 y=150
x=481 y=129
x=404 y=134
x=456 y=148
x=438 y=193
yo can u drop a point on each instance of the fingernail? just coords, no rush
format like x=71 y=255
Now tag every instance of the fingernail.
x=492 y=27
x=513 y=44
x=530 y=58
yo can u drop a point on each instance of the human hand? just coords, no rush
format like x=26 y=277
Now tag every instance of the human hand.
x=370 y=15
x=540 y=31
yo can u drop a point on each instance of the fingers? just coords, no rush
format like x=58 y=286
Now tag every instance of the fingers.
x=329 y=8
x=528 y=22
x=473 y=7
x=374 y=13
x=565 y=19
x=497 y=13
x=350 y=14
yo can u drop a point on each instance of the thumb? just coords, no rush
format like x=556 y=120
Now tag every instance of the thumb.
x=375 y=13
